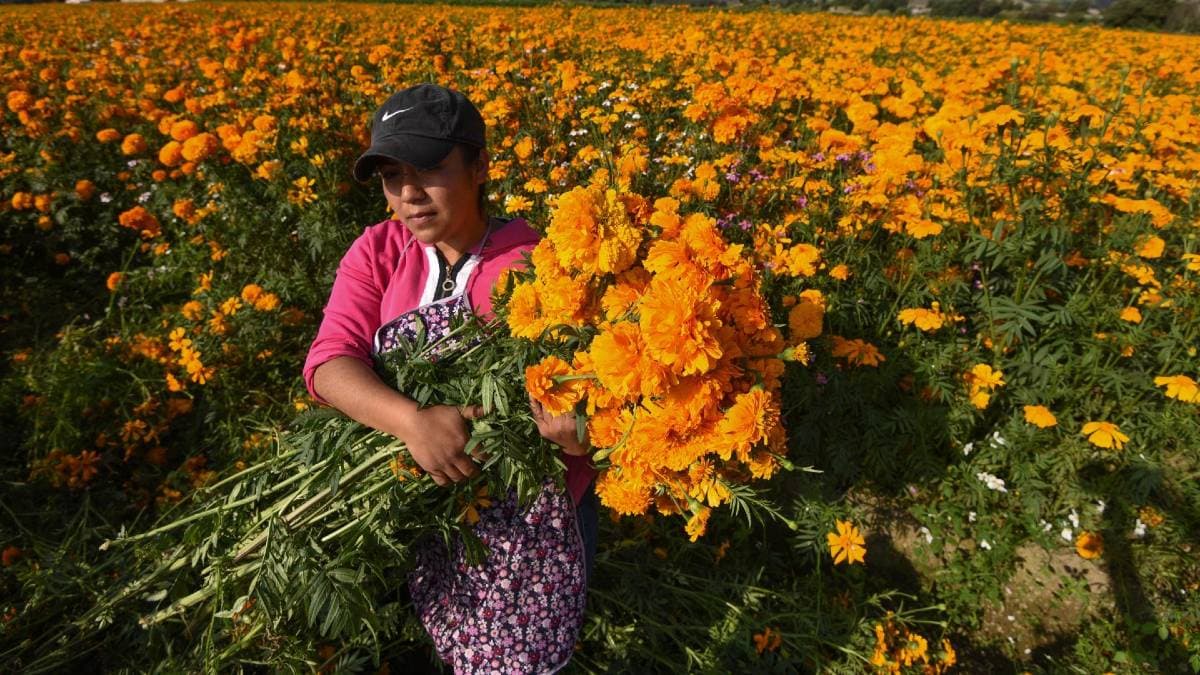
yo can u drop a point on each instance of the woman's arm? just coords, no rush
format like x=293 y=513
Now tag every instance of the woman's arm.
x=435 y=436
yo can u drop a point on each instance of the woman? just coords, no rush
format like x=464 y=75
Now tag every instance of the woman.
x=441 y=252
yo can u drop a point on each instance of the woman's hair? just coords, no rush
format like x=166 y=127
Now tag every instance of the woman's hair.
x=470 y=155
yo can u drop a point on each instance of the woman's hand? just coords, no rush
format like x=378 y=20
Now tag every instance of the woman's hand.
x=559 y=430
x=437 y=436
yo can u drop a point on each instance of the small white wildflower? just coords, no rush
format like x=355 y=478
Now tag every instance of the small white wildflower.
x=983 y=544
x=105 y=198
x=1067 y=534
x=1074 y=518
x=970 y=516
x=143 y=198
x=1046 y=527
x=924 y=532
x=992 y=482
x=132 y=163
x=998 y=439
x=968 y=448
x=1100 y=505
x=1139 y=528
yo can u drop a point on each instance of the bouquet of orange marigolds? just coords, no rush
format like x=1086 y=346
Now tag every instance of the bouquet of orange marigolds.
x=660 y=334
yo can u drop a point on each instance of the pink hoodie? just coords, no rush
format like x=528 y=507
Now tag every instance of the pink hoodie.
x=386 y=273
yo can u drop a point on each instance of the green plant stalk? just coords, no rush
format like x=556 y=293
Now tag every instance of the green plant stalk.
x=316 y=500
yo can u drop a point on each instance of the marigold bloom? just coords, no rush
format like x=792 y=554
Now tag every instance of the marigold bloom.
x=1131 y=314
x=546 y=382
x=10 y=556
x=114 y=280
x=847 y=545
x=85 y=189
x=697 y=524
x=199 y=147
x=627 y=495
x=183 y=130
x=591 y=232
x=107 y=135
x=806 y=317
x=747 y=422
x=141 y=221
x=1104 y=435
x=1040 y=416
x=133 y=144
x=680 y=326
x=1089 y=545
x=171 y=154
x=927 y=320
x=1180 y=387
x=768 y=640
x=857 y=352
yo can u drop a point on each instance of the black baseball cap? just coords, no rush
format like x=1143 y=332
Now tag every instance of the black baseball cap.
x=420 y=125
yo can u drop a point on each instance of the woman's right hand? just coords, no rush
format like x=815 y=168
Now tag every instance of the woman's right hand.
x=436 y=438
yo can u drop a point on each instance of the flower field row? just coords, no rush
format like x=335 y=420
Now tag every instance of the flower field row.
x=950 y=267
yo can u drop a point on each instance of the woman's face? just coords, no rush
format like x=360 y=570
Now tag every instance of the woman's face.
x=438 y=204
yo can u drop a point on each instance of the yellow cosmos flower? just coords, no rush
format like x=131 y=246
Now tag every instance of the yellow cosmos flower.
x=1040 y=416
x=1104 y=435
x=847 y=545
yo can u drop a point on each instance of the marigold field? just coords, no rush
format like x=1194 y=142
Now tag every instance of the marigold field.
x=913 y=306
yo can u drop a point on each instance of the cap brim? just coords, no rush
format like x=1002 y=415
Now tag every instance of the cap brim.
x=420 y=151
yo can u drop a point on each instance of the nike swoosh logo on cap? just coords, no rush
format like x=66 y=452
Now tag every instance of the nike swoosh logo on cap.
x=387 y=116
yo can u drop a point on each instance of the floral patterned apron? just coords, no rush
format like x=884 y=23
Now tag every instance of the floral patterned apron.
x=521 y=609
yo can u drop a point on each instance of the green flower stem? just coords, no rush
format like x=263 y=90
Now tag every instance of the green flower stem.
x=317 y=500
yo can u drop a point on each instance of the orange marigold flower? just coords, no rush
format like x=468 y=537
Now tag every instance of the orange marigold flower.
x=85 y=189
x=1089 y=545
x=199 y=147
x=747 y=422
x=547 y=382
x=1131 y=314
x=133 y=144
x=251 y=292
x=680 y=326
x=171 y=154
x=114 y=280
x=183 y=130
x=857 y=352
x=267 y=302
x=626 y=495
x=1151 y=247
x=141 y=221
x=107 y=135
x=1180 y=387
x=697 y=524
x=768 y=640
x=1040 y=416
x=927 y=320
x=1104 y=435
x=10 y=556
x=847 y=544
x=807 y=316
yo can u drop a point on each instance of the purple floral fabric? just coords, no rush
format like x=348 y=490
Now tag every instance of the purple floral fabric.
x=521 y=609
x=435 y=318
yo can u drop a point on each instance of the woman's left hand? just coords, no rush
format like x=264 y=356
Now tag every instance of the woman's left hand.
x=559 y=429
